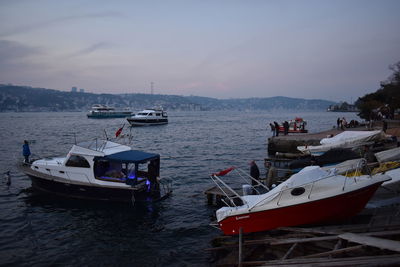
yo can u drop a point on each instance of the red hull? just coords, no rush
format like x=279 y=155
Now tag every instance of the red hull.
x=324 y=210
x=282 y=130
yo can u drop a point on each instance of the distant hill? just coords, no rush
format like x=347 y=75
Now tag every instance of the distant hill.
x=24 y=98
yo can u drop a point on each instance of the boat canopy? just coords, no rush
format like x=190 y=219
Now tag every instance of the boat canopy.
x=130 y=156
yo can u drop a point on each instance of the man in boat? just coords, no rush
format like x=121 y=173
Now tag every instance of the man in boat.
x=26 y=152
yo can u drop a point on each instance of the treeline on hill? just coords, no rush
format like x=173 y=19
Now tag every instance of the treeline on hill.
x=385 y=101
x=23 y=98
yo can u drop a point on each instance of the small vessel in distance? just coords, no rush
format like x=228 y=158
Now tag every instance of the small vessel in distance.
x=100 y=170
x=298 y=125
x=103 y=111
x=149 y=117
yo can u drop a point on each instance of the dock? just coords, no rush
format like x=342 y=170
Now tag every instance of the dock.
x=289 y=143
x=369 y=239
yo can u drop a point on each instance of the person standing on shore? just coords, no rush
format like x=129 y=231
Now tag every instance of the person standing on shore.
x=276 y=128
x=286 y=128
x=271 y=174
x=338 y=123
x=272 y=129
x=254 y=173
x=384 y=126
x=26 y=152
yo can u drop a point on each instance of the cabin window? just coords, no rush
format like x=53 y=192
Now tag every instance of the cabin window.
x=77 y=161
x=150 y=114
x=158 y=114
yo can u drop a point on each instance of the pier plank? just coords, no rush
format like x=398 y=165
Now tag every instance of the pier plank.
x=372 y=241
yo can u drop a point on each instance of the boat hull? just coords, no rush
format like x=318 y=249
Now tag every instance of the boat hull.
x=90 y=192
x=109 y=115
x=147 y=122
x=324 y=210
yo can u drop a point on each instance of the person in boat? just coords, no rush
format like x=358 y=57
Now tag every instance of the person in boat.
x=26 y=152
x=152 y=174
x=254 y=173
x=272 y=129
x=338 y=123
x=271 y=174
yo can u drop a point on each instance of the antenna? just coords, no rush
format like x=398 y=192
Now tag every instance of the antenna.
x=152 y=87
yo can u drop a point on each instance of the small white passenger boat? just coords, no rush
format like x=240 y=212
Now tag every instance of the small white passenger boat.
x=100 y=170
x=308 y=197
x=99 y=111
x=149 y=117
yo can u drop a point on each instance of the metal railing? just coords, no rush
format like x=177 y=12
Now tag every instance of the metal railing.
x=360 y=166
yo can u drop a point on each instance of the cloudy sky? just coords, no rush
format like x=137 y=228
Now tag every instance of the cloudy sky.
x=335 y=50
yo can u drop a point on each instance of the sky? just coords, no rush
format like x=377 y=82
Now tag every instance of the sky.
x=334 y=50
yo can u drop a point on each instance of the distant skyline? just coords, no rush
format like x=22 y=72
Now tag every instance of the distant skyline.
x=334 y=50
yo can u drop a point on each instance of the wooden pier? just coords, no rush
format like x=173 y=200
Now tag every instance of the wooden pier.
x=370 y=239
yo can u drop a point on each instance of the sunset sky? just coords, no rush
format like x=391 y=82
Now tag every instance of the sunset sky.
x=334 y=50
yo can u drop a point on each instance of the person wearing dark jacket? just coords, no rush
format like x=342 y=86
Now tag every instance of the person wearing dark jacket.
x=254 y=173
x=276 y=128
x=26 y=152
x=286 y=127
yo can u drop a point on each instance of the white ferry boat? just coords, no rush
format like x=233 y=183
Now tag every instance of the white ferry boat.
x=149 y=117
x=102 y=111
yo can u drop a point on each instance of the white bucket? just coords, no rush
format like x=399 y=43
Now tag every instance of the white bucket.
x=247 y=190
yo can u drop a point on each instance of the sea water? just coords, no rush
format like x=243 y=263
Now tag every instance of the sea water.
x=37 y=229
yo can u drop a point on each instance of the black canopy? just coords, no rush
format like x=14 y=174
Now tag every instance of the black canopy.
x=130 y=156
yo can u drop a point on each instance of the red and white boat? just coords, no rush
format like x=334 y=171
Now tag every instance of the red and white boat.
x=298 y=125
x=311 y=196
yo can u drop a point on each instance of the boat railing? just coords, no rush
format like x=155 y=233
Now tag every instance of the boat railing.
x=352 y=167
x=244 y=176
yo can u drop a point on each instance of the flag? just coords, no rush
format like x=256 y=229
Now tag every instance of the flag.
x=119 y=131
x=224 y=172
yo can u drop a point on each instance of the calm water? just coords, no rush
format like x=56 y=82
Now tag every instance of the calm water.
x=41 y=230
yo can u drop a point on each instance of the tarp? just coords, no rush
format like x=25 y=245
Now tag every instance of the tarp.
x=348 y=136
x=346 y=139
x=130 y=156
x=388 y=155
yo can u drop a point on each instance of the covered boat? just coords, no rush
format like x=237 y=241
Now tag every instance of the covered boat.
x=100 y=170
x=346 y=139
x=149 y=117
x=308 y=197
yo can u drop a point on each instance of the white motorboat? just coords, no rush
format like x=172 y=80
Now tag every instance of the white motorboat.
x=99 y=111
x=310 y=196
x=99 y=170
x=149 y=117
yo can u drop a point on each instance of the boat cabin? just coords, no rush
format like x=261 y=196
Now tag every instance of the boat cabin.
x=131 y=167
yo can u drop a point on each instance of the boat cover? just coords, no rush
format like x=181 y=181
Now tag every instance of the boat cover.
x=130 y=156
x=348 y=136
x=388 y=155
x=346 y=139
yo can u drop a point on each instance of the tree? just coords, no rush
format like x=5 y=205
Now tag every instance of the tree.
x=387 y=97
